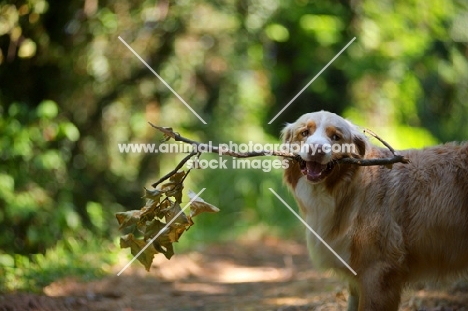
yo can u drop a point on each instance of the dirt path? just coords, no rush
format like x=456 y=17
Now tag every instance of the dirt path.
x=266 y=275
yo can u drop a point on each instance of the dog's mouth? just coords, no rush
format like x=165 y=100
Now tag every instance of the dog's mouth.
x=315 y=172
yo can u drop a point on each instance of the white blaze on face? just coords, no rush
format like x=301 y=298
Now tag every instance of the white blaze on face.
x=317 y=146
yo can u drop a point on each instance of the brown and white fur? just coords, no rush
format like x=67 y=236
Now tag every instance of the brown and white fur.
x=392 y=226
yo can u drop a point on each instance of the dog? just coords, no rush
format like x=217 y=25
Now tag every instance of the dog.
x=393 y=226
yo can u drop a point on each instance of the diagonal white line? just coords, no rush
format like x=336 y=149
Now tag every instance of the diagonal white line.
x=159 y=233
x=313 y=79
x=312 y=230
x=162 y=80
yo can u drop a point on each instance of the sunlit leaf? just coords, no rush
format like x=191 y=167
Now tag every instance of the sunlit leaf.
x=129 y=218
x=168 y=133
x=169 y=186
x=177 y=177
x=70 y=131
x=153 y=194
x=47 y=109
x=176 y=231
x=199 y=206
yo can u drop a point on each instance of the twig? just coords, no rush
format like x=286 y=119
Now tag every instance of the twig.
x=176 y=169
x=380 y=139
x=201 y=147
x=370 y=162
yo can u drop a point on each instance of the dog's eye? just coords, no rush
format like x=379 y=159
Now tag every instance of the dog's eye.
x=305 y=133
x=336 y=137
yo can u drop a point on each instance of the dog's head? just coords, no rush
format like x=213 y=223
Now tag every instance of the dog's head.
x=321 y=138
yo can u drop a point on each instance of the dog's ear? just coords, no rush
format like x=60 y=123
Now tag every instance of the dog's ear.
x=287 y=133
x=360 y=141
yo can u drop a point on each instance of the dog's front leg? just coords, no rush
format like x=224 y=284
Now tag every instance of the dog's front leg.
x=380 y=288
x=353 y=299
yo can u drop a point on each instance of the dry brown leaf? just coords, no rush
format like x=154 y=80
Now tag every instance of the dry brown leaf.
x=136 y=245
x=154 y=194
x=176 y=231
x=199 y=205
x=129 y=218
x=153 y=228
x=165 y=248
x=175 y=211
x=153 y=219
x=173 y=189
x=177 y=177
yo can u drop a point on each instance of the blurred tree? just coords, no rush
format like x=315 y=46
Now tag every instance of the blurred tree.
x=316 y=33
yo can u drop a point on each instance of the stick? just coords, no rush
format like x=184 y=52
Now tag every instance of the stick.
x=370 y=162
x=353 y=159
x=177 y=168
x=216 y=149
x=380 y=139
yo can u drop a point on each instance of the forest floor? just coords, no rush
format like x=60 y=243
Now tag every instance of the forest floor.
x=265 y=275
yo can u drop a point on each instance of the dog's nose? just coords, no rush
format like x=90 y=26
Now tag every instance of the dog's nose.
x=317 y=153
x=319 y=148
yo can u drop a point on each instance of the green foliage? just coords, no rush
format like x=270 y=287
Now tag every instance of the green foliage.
x=35 y=150
x=70 y=257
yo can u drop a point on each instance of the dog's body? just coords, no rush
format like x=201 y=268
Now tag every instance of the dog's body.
x=392 y=226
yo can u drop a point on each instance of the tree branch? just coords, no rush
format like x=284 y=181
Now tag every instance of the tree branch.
x=380 y=139
x=202 y=147
x=178 y=167
x=380 y=161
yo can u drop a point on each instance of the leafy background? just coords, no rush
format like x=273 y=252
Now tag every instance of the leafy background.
x=70 y=91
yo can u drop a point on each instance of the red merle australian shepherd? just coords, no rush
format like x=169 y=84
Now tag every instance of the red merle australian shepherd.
x=392 y=226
